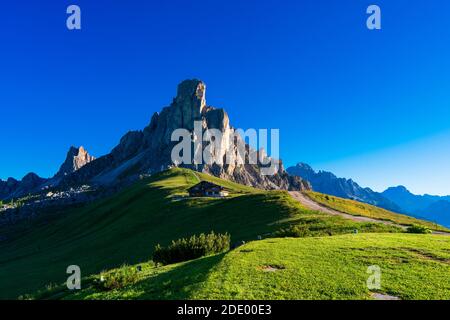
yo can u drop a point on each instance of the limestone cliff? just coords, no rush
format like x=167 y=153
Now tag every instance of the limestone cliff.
x=149 y=150
x=76 y=159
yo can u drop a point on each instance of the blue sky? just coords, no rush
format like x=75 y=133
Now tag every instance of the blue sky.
x=370 y=105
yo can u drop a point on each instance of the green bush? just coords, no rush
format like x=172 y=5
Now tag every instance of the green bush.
x=418 y=229
x=192 y=248
x=117 y=279
x=297 y=231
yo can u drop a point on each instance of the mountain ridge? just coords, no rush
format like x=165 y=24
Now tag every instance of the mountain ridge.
x=397 y=199
x=436 y=208
x=76 y=158
x=328 y=183
x=149 y=150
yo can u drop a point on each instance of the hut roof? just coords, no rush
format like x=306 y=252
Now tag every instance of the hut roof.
x=205 y=185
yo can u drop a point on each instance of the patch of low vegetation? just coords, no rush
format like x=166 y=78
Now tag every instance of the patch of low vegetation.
x=418 y=229
x=191 y=248
x=117 y=279
x=366 y=210
x=332 y=226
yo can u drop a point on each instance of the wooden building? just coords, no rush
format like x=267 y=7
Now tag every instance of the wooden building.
x=207 y=189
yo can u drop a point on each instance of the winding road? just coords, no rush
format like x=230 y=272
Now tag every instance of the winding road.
x=311 y=204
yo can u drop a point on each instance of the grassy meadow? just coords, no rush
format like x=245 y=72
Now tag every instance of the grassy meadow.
x=125 y=228
x=412 y=267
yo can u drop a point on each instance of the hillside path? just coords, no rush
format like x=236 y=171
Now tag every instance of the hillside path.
x=196 y=176
x=311 y=204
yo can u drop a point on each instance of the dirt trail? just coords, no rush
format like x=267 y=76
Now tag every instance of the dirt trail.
x=196 y=176
x=311 y=204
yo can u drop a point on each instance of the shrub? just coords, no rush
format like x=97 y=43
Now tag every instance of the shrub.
x=297 y=231
x=192 y=248
x=117 y=279
x=418 y=229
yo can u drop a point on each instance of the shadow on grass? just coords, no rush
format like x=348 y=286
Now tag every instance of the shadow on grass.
x=180 y=283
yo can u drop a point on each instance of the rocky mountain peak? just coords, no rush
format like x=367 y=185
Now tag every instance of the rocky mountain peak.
x=31 y=178
x=188 y=104
x=399 y=189
x=82 y=158
x=11 y=181
x=305 y=167
x=150 y=150
x=192 y=93
x=76 y=158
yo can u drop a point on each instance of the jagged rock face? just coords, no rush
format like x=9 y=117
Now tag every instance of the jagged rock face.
x=190 y=106
x=150 y=150
x=328 y=183
x=130 y=144
x=75 y=160
x=81 y=159
x=186 y=108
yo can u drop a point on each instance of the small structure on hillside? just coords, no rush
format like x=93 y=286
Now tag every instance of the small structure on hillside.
x=207 y=189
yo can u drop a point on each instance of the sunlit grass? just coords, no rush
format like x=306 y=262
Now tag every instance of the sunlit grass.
x=361 y=209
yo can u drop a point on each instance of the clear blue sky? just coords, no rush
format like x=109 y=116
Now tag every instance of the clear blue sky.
x=344 y=98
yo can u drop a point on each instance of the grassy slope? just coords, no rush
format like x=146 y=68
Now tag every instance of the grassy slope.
x=126 y=227
x=361 y=209
x=412 y=266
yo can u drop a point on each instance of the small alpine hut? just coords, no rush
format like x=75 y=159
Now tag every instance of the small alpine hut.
x=207 y=189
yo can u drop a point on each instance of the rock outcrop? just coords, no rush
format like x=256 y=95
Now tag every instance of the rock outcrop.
x=149 y=150
x=76 y=158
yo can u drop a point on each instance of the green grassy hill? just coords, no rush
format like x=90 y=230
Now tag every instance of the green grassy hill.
x=366 y=210
x=126 y=227
x=412 y=267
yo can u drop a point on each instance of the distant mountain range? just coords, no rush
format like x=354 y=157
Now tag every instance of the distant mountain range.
x=16 y=188
x=397 y=199
x=327 y=182
x=435 y=208
x=32 y=183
